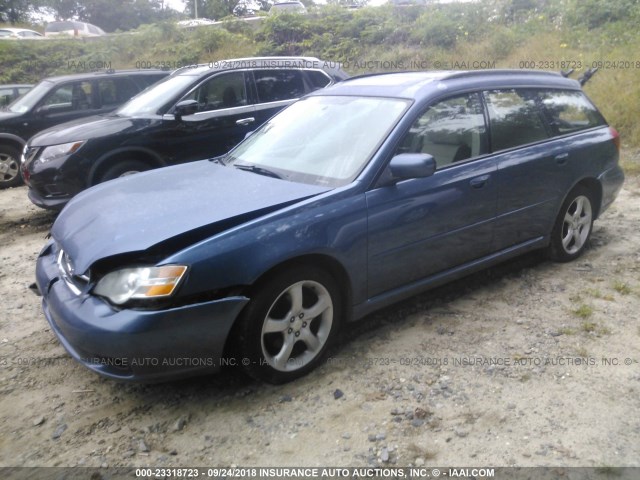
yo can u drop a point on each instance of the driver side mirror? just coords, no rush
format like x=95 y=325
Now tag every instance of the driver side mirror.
x=411 y=165
x=43 y=110
x=185 y=107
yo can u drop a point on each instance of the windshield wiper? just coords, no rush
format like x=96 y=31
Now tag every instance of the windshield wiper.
x=255 y=169
x=219 y=160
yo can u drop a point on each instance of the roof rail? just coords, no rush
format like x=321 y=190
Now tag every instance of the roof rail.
x=500 y=71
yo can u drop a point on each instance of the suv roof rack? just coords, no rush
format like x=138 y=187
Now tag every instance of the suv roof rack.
x=447 y=74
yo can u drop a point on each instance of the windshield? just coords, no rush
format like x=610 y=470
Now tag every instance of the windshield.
x=151 y=100
x=320 y=140
x=31 y=98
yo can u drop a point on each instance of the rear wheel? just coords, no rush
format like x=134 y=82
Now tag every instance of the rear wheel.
x=288 y=326
x=124 y=168
x=9 y=167
x=573 y=226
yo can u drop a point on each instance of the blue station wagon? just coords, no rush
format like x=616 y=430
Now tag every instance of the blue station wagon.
x=352 y=198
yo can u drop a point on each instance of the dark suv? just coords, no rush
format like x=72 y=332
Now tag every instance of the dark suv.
x=57 y=100
x=198 y=112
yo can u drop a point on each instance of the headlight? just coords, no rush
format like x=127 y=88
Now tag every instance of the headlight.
x=139 y=283
x=58 y=151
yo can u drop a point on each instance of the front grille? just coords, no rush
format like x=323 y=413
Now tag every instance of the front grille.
x=76 y=283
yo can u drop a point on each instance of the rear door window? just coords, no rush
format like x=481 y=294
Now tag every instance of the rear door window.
x=515 y=118
x=570 y=111
x=115 y=91
x=277 y=85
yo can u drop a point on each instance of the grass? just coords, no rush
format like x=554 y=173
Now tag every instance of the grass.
x=525 y=377
x=582 y=352
x=567 y=331
x=622 y=287
x=593 y=327
x=583 y=311
x=596 y=293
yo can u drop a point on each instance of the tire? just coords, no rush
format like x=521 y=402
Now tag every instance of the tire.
x=124 y=168
x=571 y=232
x=287 y=328
x=9 y=167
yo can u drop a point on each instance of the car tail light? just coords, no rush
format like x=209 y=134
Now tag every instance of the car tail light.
x=616 y=137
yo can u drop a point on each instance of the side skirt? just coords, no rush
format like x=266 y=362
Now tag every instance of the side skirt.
x=392 y=296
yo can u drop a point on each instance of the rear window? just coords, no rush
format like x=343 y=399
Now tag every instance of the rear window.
x=60 y=27
x=570 y=111
x=317 y=79
x=275 y=85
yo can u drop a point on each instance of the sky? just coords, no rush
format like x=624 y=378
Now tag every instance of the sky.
x=175 y=4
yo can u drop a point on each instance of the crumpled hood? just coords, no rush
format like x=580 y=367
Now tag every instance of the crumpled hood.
x=133 y=213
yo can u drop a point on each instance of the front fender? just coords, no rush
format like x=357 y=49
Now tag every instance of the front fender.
x=333 y=225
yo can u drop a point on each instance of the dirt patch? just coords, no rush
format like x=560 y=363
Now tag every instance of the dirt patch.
x=531 y=363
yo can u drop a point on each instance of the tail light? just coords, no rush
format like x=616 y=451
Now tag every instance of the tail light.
x=616 y=138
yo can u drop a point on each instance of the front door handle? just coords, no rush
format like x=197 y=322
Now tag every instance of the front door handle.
x=479 y=182
x=245 y=121
x=562 y=158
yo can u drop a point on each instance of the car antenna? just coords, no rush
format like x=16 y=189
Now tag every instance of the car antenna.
x=584 y=78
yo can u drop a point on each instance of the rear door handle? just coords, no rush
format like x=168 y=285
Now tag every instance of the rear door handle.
x=479 y=182
x=245 y=121
x=562 y=158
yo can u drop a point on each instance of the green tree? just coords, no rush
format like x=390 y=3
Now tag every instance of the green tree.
x=14 y=10
x=65 y=9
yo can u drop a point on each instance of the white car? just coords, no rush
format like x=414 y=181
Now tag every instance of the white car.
x=18 y=33
x=72 y=28
x=293 y=7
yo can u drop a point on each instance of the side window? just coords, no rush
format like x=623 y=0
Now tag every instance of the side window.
x=70 y=97
x=514 y=118
x=317 y=79
x=115 y=91
x=6 y=96
x=570 y=111
x=222 y=91
x=276 y=85
x=451 y=131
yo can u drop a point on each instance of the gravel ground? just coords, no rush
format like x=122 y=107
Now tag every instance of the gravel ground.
x=529 y=364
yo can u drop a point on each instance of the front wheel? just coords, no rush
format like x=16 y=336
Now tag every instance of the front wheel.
x=573 y=226
x=288 y=326
x=124 y=168
x=9 y=167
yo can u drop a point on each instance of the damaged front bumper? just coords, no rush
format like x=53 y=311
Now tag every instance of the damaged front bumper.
x=135 y=345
